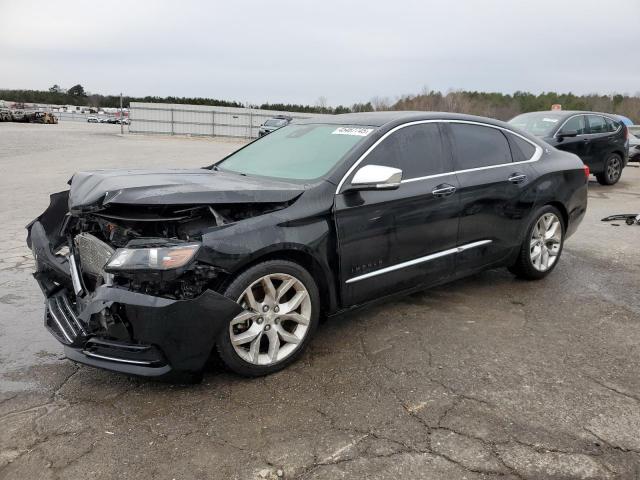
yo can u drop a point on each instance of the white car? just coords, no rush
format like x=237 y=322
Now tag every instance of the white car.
x=92 y=119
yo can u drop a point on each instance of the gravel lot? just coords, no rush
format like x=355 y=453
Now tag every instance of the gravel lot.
x=486 y=377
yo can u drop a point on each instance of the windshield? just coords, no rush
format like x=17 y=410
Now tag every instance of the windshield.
x=275 y=122
x=296 y=152
x=540 y=124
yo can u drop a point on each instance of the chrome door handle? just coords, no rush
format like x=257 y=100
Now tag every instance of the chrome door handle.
x=517 y=178
x=443 y=190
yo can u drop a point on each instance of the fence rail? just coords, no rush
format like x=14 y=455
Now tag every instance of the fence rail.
x=202 y=120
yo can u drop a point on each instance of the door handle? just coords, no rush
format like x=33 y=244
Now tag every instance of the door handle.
x=517 y=178
x=586 y=140
x=443 y=190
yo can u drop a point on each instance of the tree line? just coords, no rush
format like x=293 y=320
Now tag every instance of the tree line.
x=489 y=104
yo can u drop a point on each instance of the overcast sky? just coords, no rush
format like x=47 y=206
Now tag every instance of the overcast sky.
x=298 y=50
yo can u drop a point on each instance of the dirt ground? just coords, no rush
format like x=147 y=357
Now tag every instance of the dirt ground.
x=482 y=378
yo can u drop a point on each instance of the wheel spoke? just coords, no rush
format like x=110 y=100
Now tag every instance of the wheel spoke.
x=295 y=317
x=254 y=349
x=284 y=288
x=269 y=289
x=247 y=336
x=243 y=317
x=552 y=230
x=535 y=254
x=286 y=336
x=294 y=303
x=274 y=344
x=250 y=299
x=544 y=258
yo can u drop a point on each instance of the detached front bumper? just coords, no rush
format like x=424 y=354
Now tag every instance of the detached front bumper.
x=146 y=335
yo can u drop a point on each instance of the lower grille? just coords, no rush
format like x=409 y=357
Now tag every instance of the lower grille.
x=61 y=319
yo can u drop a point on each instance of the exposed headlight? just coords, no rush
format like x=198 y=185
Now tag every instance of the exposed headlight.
x=160 y=258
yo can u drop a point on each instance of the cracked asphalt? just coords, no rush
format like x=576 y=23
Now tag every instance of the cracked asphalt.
x=488 y=377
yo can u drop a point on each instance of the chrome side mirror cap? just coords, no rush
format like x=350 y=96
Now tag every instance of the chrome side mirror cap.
x=376 y=177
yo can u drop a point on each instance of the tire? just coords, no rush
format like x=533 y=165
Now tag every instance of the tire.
x=267 y=338
x=530 y=266
x=612 y=170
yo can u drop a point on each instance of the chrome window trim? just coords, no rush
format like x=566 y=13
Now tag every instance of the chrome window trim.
x=417 y=261
x=535 y=157
x=585 y=122
x=605 y=118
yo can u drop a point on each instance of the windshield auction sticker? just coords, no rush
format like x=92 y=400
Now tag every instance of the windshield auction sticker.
x=360 y=132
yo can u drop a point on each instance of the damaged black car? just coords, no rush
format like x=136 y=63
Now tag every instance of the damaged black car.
x=150 y=272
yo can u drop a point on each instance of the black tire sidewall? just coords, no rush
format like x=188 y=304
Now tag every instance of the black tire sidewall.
x=233 y=291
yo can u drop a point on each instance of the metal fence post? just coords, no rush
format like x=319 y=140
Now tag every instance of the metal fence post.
x=171 y=120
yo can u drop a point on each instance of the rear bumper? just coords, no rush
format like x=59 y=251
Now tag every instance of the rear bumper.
x=126 y=331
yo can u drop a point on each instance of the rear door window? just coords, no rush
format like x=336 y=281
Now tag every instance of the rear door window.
x=597 y=124
x=612 y=125
x=478 y=146
x=416 y=149
x=521 y=150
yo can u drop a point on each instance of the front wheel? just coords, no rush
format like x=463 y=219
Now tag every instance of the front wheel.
x=612 y=170
x=281 y=312
x=542 y=246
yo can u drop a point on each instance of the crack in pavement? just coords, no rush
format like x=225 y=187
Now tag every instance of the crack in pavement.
x=613 y=389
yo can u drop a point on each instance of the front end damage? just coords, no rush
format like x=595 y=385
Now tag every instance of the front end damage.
x=144 y=322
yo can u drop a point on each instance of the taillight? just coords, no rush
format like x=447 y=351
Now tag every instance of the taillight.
x=587 y=172
x=626 y=132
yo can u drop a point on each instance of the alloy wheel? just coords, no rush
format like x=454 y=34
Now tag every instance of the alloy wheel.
x=275 y=320
x=613 y=168
x=545 y=243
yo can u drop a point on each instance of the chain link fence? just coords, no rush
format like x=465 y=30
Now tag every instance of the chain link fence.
x=201 y=120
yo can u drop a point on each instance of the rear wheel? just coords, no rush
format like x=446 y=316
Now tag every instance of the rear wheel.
x=542 y=246
x=612 y=170
x=281 y=310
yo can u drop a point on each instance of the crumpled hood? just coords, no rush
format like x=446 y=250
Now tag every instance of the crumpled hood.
x=92 y=190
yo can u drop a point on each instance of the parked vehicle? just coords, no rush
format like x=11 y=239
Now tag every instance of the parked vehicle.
x=5 y=115
x=19 y=116
x=92 y=119
x=599 y=139
x=44 y=117
x=634 y=143
x=273 y=124
x=145 y=271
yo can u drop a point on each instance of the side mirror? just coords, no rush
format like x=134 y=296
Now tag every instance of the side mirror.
x=568 y=133
x=376 y=177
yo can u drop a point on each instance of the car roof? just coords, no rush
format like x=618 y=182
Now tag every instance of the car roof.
x=389 y=118
x=568 y=113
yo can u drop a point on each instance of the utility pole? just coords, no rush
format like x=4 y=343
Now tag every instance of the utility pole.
x=121 y=117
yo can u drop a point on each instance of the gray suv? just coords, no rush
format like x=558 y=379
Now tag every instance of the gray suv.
x=274 y=123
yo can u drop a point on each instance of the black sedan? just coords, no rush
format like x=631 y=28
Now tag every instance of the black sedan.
x=145 y=272
x=599 y=139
